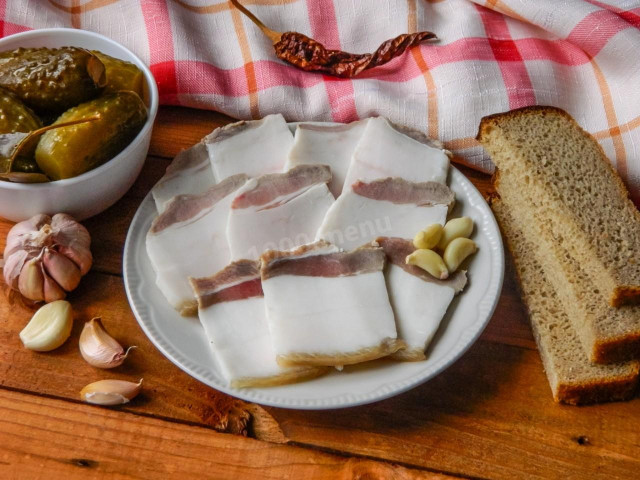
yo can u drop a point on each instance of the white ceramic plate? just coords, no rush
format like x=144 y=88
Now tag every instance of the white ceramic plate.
x=182 y=340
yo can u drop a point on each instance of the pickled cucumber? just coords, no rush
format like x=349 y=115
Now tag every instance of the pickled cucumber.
x=15 y=116
x=52 y=79
x=69 y=151
x=120 y=75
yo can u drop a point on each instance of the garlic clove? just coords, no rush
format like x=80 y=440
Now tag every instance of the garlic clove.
x=99 y=348
x=31 y=281
x=81 y=256
x=61 y=269
x=13 y=266
x=110 y=392
x=49 y=327
x=52 y=290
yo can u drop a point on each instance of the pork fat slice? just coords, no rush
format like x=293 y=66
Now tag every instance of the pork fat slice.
x=278 y=211
x=255 y=147
x=189 y=239
x=384 y=151
x=326 y=307
x=231 y=310
x=189 y=173
x=419 y=300
x=387 y=207
x=331 y=145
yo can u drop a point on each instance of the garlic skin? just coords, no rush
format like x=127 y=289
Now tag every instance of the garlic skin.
x=100 y=349
x=61 y=269
x=12 y=268
x=51 y=289
x=58 y=245
x=49 y=327
x=110 y=392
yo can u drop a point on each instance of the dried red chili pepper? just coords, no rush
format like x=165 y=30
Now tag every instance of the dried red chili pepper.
x=310 y=55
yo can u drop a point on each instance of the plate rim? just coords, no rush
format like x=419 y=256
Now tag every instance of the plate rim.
x=486 y=307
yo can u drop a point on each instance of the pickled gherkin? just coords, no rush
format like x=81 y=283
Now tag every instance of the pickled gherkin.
x=121 y=75
x=52 y=79
x=70 y=151
x=15 y=116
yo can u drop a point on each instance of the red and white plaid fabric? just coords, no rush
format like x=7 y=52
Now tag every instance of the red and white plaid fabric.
x=492 y=56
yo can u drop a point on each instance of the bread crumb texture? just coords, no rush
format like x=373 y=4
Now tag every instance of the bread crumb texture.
x=574 y=189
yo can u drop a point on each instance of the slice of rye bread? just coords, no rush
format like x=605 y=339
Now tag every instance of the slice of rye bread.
x=574 y=189
x=573 y=378
x=608 y=334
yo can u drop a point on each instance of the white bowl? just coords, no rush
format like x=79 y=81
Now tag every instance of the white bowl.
x=96 y=190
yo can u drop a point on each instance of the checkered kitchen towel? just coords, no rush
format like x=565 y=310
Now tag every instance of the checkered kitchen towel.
x=493 y=55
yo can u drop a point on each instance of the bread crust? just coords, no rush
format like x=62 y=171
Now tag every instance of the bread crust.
x=618 y=389
x=625 y=295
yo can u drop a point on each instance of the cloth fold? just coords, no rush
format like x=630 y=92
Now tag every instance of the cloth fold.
x=492 y=56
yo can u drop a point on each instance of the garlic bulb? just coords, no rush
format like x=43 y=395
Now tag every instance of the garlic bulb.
x=110 y=392
x=49 y=327
x=45 y=257
x=99 y=348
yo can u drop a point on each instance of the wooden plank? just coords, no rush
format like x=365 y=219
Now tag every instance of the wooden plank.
x=489 y=412
x=489 y=415
x=42 y=438
x=510 y=324
x=169 y=392
x=177 y=128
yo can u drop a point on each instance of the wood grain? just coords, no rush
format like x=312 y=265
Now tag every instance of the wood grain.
x=169 y=393
x=42 y=438
x=489 y=416
x=178 y=128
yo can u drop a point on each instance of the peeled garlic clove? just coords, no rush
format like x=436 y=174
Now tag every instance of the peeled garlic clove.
x=429 y=261
x=457 y=251
x=49 y=327
x=110 y=392
x=61 y=269
x=455 y=228
x=31 y=281
x=99 y=348
x=429 y=237
x=81 y=256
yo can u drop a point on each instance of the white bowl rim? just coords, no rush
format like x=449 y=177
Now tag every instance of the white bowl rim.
x=151 y=114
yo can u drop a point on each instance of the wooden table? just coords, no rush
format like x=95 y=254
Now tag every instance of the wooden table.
x=490 y=415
